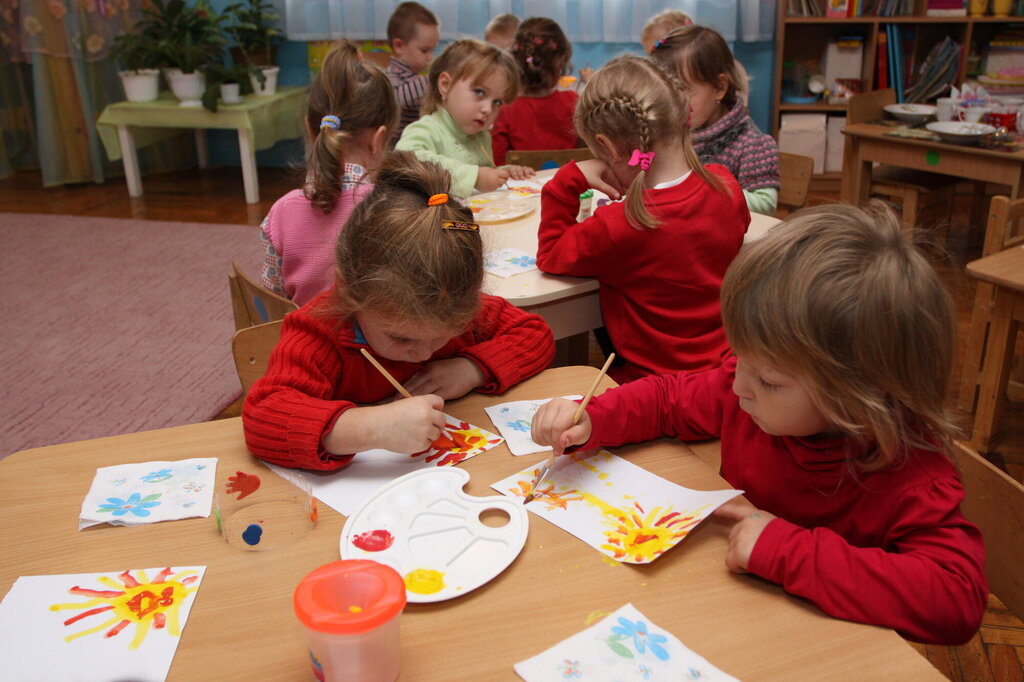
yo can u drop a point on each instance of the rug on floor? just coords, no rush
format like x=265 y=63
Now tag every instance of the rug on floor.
x=114 y=326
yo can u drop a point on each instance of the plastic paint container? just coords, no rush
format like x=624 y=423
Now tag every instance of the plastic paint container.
x=586 y=201
x=351 y=613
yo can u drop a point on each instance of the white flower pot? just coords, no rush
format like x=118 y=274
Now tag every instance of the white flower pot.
x=229 y=93
x=187 y=87
x=142 y=85
x=270 y=86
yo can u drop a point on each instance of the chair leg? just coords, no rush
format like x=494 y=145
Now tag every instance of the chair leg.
x=996 y=371
x=908 y=215
x=975 y=346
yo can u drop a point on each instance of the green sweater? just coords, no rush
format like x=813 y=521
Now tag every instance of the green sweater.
x=435 y=137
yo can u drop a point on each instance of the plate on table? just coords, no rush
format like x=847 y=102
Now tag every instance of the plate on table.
x=958 y=132
x=443 y=542
x=910 y=113
x=496 y=207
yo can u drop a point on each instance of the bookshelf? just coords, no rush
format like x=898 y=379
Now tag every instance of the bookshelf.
x=803 y=40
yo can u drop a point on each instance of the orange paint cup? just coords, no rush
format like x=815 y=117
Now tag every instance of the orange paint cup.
x=350 y=610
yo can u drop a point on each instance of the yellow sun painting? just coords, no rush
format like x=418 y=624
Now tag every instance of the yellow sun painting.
x=641 y=537
x=133 y=599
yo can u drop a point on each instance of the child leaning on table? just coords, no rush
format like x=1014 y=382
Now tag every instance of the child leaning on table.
x=832 y=419
x=350 y=116
x=469 y=83
x=661 y=254
x=413 y=35
x=410 y=271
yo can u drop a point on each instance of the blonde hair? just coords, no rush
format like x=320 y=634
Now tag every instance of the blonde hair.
x=542 y=52
x=407 y=16
x=663 y=22
x=361 y=96
x=838 y=297
x=503 y=24
x=635 y=103
x=473 y=60
x=395 y=258
x=700 y=53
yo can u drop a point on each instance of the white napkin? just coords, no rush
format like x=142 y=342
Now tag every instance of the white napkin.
x=513 y=421
x=133 y=494
x=508 y=262
x=622 y=646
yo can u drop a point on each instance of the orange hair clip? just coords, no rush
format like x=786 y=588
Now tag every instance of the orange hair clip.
x=437 y=200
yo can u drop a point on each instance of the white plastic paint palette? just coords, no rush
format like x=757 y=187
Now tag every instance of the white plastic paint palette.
x=425 y=527
x=495 y=207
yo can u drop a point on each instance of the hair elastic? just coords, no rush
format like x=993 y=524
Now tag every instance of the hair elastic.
x=643 y=159
x=437 y=199
x=659 y=43
x=330 y=121
x=459 y=225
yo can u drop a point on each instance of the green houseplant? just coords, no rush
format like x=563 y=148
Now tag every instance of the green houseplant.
x=253 y=28
x=139 y=59
x=224 y=82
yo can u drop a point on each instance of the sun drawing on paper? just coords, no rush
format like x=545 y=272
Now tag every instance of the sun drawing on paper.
x=455 y=444
x=133 y=600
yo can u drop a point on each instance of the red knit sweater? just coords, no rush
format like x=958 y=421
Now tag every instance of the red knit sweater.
x=888 y=547
x=316 y=372
x=535 y=123
x=659 y=288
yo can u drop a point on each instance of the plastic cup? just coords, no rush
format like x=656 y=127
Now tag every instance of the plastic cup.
x=351 y=610
x=945 y=108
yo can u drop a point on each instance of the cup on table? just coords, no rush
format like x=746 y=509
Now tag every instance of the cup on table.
x=1003 y=119
x=972 y=114
x=945 y=108
x=351 y=610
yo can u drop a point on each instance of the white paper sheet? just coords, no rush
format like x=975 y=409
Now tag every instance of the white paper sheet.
x=346 y=490
x=513 y=419
x=509 y=261
x=621 y=510
x=623 y=646
x=146 y=610
x=133 y=494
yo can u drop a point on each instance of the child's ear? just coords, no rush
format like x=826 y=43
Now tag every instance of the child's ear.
x=609 y=148
x=444 y=83
x=398 y=46
x=721 y=86
x=379 y=140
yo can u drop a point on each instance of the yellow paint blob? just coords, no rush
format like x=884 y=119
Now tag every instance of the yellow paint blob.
x=424 y=581
x=610 y=561
x=595 y=616
x=355 y=609
x=603 y=476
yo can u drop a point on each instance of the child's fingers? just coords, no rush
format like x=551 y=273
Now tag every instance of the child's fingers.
x=735 y=509
x=602 y=185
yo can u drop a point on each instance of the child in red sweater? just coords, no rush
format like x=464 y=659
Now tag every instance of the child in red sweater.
x=833 y=420
x=541 y=117
x=660 y=255
x=410 y=270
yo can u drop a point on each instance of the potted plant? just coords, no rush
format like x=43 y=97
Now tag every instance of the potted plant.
x=139 y=58
x=253 y=29
x=224 y=82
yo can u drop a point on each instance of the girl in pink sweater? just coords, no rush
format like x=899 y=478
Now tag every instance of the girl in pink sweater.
x=352 y=111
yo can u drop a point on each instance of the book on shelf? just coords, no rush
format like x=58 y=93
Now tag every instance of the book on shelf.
x=937 y=73
x=946 y=8
x=804 y=8
x=882 y=62
x=838 y=8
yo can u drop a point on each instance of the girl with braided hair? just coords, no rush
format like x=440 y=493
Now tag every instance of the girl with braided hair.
x=660 y=255
x=409 y=270
x=541 y=117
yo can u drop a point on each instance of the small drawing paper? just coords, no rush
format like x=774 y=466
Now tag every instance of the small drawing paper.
x=621 y=510
x=346 y=490
x=623 y=646
x=525 y=189
x=133 y=494
x=96 y=627
x=513 y=420
x=509 y=261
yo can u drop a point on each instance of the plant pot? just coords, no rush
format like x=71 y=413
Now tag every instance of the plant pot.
x=142 y=85
x=270 y=85
x=187 y=87
x=267 y=55
x=229 y=93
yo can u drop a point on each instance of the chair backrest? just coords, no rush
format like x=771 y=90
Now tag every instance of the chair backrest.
x=868 y=106
x=251 y=349
x=540 y=159
x=1004 y=228
x=794 y=179
x=995 y=503
x=252 y=304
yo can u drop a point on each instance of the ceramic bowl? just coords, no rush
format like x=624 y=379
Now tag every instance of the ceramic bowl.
x=911 y=113
x=957 y=132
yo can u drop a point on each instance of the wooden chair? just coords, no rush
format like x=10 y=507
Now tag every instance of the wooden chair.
x=928 y=196
x=795 y=179
x=251 y=348
x=540 y=159
x=252 y=304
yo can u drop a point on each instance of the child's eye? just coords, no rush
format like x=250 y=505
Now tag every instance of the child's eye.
x=767 y=386
x=399 y=339
x=497 y=103
x=479 y=93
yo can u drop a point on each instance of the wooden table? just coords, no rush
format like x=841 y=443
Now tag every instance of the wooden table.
x=261 y=122
x=242 y=625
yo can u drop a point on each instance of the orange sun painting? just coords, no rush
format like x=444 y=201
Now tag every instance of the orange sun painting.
x=133 y=599
x=641 y=537
x=459 y=440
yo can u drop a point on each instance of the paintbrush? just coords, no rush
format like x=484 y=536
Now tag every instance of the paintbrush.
x=387 y=374
x=546 y=467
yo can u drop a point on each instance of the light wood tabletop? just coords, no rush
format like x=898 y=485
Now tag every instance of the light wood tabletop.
x=242 y=624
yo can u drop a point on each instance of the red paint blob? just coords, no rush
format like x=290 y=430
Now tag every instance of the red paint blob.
x=373 y=540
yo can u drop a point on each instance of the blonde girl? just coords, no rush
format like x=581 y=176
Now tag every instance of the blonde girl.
x=351 y=113
x=469 y=83
x=541 y=117
x=723 y=131
x=660 y=255
x=833 y=420
x=409 y=270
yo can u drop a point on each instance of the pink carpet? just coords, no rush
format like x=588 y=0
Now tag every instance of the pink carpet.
x=114 y=326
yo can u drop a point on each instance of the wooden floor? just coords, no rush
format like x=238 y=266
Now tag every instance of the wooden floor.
x=216 y=195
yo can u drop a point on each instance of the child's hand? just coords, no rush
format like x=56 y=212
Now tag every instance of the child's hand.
x=599 y=176
x=750 y=522
x=489 y=179
x=552 y=425
x=451 y=378
x=520 y=172
x=585 y=73
x=405 y=426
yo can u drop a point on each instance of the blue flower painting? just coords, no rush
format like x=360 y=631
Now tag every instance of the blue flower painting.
x=519 y=425
x=135 y=505
x=157 y=476
x=522 y=261
x=642 y=639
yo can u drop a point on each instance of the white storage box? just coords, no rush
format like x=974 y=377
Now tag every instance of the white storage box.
x=804 y=134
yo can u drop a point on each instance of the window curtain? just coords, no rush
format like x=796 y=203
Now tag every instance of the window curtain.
x=589 y=21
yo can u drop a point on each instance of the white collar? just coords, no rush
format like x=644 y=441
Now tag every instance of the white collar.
x=673 y=183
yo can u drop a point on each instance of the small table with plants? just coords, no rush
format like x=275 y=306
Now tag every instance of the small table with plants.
x=261 y=122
